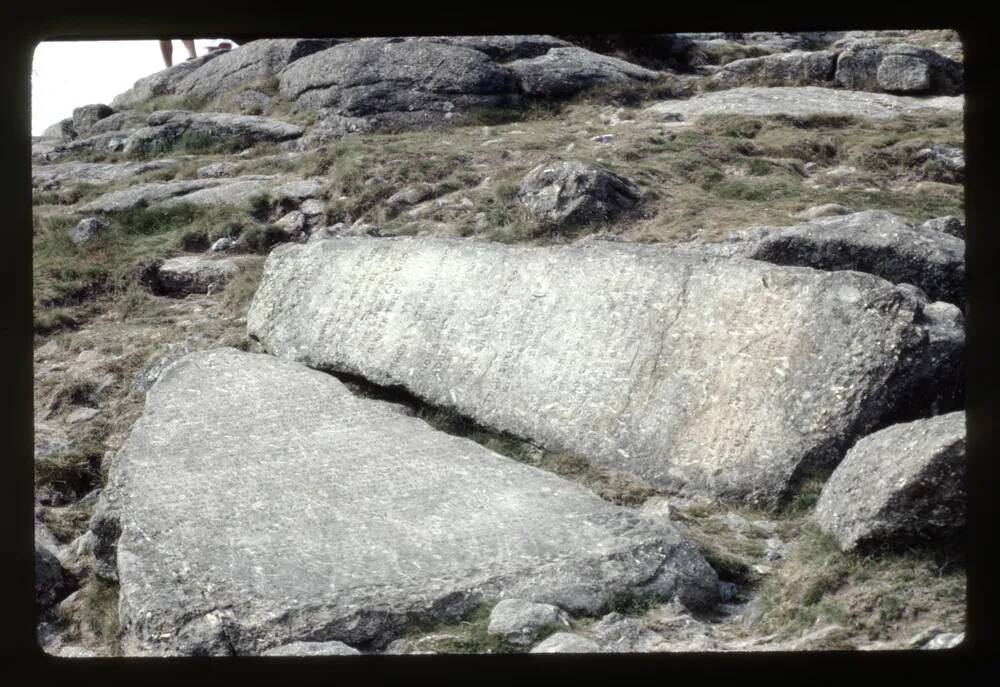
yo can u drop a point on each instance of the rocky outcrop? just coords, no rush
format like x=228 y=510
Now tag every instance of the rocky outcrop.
x=84 y=118
x=162 y=82
x=901 y=486
x=168 y=128
x=47 y=177
x=634 y=357
x=503 y=48
x=144 y=195
x=247 y=65
x=897 y=68
x=389 y=82
x=568 y=194
x=349 y=521
x=785 y=69
x=874 y=241
x=565 y=71
x=803 y=102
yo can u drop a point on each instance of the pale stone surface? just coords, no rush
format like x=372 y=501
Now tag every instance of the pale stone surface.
x=313 y=649
x=235 y=522
x=55 y=175
x=520 y=622
x=804 y=101
x=568 y=643
x=902 y=485
x=721 y=377
x=194 y=274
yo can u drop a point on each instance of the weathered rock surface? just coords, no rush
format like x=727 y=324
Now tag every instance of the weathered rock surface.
x=521 y=622
x=784 y=69
x=166 y=128
x=873 y=66
x=622 y=635
x=900 y=486
x=126 y=120
x=162 y=82
x=803 y=102
x=721 y=377
x=85 y=117
x=574 y=193
x=504 y=48
x=46 y=177
x=313 y=649
x=103 y=143
x=61 y=131
x=949 y=224
x=346 y=522
x=87 y=231
x=248 y=65
x=194 y=274
x=144 y=195
x=390 y=82
x=165 y=194
x=568 y=643
x=874 y=241
x=565 y=71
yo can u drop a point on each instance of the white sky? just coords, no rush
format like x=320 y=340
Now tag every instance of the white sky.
x=68 y=74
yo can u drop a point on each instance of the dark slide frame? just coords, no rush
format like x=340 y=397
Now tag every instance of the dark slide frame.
x=23 y=25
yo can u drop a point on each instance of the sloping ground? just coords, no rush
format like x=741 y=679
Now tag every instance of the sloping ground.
x=104 y=333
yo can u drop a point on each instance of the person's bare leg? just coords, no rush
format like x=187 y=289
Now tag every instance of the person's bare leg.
x=190 y=48
x=167 y=50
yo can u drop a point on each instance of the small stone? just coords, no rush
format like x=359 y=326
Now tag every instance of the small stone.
x=604 y=138
x=293 y=222
x=223 y=244
x=946 y=640
x=81 y=415
x=521 y=622
x=87 y=231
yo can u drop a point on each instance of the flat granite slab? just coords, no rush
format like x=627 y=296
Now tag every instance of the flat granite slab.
x=803 y=101
x=258 y=503
x=721 y=378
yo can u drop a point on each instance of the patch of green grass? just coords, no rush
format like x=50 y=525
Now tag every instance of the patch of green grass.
x=875 y=594
x=752 y=189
